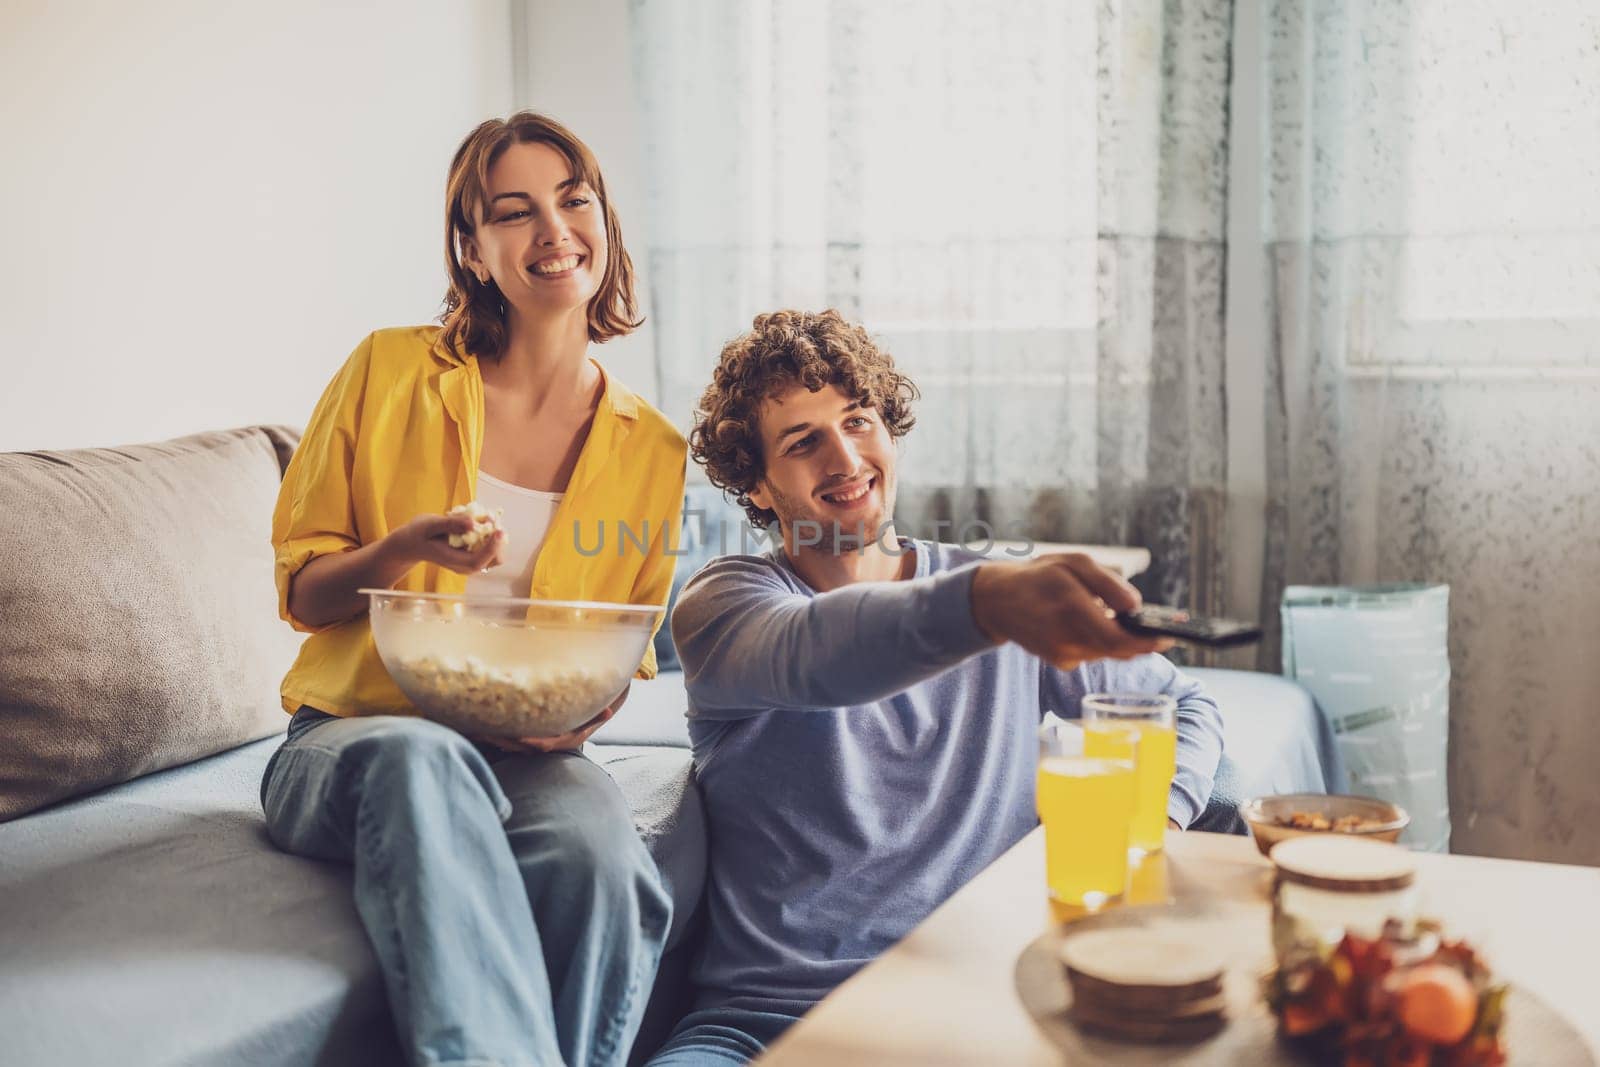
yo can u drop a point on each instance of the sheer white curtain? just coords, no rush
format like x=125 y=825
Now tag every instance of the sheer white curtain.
x=1432 y=172
x=1023 y=201
x=1027 y=201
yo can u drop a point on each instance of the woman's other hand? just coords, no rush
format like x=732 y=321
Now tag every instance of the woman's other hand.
x=567 y=742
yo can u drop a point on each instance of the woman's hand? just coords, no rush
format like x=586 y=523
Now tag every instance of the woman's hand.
x=567 y=742
x=426 y=539
x=327 y=589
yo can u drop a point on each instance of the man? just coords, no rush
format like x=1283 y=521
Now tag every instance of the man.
x=863 y=708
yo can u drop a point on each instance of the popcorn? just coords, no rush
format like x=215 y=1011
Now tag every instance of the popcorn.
x=485 y=524
x=477 y=698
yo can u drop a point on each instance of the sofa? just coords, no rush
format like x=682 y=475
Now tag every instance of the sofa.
x=145 y=918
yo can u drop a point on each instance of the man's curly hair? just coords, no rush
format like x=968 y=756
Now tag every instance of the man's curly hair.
x=782 y=349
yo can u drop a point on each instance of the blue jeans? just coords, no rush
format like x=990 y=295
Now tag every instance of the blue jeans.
x=722 y=1037
x=513 y=909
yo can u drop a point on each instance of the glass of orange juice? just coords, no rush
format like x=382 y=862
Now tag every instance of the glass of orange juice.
x=1108 y=719
x=1086 y=806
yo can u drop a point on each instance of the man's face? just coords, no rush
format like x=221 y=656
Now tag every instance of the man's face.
x=829 y=461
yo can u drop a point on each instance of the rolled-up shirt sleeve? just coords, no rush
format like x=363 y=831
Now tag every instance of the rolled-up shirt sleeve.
x=315 y=515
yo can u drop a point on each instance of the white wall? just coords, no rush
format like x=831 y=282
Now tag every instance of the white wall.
x=574 y=63
x=205 y=205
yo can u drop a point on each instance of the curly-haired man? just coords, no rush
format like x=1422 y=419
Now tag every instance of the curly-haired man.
x=863 y=708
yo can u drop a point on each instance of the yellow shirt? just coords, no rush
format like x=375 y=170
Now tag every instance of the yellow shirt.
x=398 y=434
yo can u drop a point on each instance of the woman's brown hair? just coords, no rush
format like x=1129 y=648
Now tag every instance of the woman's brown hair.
x=474 y=312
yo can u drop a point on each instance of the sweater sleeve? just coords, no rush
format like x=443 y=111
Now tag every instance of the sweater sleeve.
x=1199 y=721
x=750 y=642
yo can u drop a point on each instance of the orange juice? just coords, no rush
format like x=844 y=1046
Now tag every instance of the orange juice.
x=1147 y=879
x=1157 y=761
x=1086 y=805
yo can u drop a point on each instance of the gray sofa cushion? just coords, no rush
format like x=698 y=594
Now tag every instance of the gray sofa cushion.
x=1274 y=734
x=154 y=923
x=140 y=627
x=670 y=817
x=654 y=714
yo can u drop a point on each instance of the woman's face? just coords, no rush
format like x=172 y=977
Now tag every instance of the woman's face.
x=542 y=237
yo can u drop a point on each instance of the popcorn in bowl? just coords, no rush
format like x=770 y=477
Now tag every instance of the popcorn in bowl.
x=493 y=666
x=485 y=524
x=479 y=698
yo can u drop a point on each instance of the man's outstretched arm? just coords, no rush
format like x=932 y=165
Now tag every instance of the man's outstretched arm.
x=750 y=643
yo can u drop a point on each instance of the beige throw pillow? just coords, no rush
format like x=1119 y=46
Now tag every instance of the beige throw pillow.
x=138 y=619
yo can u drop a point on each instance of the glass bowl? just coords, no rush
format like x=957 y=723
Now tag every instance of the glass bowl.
x=1267 y=816
x=504 y=666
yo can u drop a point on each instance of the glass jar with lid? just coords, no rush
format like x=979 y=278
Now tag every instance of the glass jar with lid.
x=1327 y=885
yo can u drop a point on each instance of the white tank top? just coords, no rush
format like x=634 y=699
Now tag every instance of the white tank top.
x=525 y=516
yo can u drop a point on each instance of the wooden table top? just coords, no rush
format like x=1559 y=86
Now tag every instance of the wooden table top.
x=946 y=994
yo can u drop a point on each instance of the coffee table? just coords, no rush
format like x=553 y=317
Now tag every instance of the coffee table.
x=946 y=993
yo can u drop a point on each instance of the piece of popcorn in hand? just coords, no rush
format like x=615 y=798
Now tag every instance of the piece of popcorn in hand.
x=485 y=524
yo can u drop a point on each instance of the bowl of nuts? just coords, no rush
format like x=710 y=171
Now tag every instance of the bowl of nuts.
x=1275 y=819
x=507 y=666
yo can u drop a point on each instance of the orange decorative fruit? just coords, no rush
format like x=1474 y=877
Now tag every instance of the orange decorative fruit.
x=1437 y=1003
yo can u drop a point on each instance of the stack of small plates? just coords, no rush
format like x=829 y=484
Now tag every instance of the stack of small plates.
x=1144 y=984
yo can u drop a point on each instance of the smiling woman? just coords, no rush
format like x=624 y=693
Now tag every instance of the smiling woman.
x=476 y=859
x=511 y=184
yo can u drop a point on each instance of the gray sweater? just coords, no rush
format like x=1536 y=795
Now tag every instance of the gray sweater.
x=865 y=752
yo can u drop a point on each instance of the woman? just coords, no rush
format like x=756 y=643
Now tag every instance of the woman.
x=513 y=908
